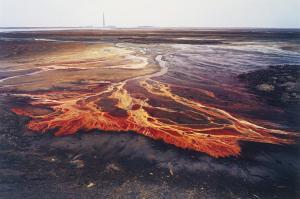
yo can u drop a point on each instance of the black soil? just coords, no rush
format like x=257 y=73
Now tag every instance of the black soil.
x=126 y=165
x=278 y=86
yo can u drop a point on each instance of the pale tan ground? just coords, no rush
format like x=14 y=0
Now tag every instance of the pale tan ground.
x=64 y=65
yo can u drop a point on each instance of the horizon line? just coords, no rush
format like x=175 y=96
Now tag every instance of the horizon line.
x=144 y=26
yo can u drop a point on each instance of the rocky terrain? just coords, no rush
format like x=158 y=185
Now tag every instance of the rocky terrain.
x=279 y=86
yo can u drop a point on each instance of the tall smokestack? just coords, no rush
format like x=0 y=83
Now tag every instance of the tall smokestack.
x=103 y=20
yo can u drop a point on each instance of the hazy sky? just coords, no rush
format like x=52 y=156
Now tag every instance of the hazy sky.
x=171 y=13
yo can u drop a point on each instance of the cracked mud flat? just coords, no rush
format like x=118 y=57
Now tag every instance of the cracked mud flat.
x=89 y=116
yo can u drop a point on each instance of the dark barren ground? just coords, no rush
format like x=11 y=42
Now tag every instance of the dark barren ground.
x=253 y=75
x=127 y=165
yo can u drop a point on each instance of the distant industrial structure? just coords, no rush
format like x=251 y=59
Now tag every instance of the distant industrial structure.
x=104 y=24
x=103 y=20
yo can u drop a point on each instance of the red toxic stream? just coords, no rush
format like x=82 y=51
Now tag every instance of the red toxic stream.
x=114 y=108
